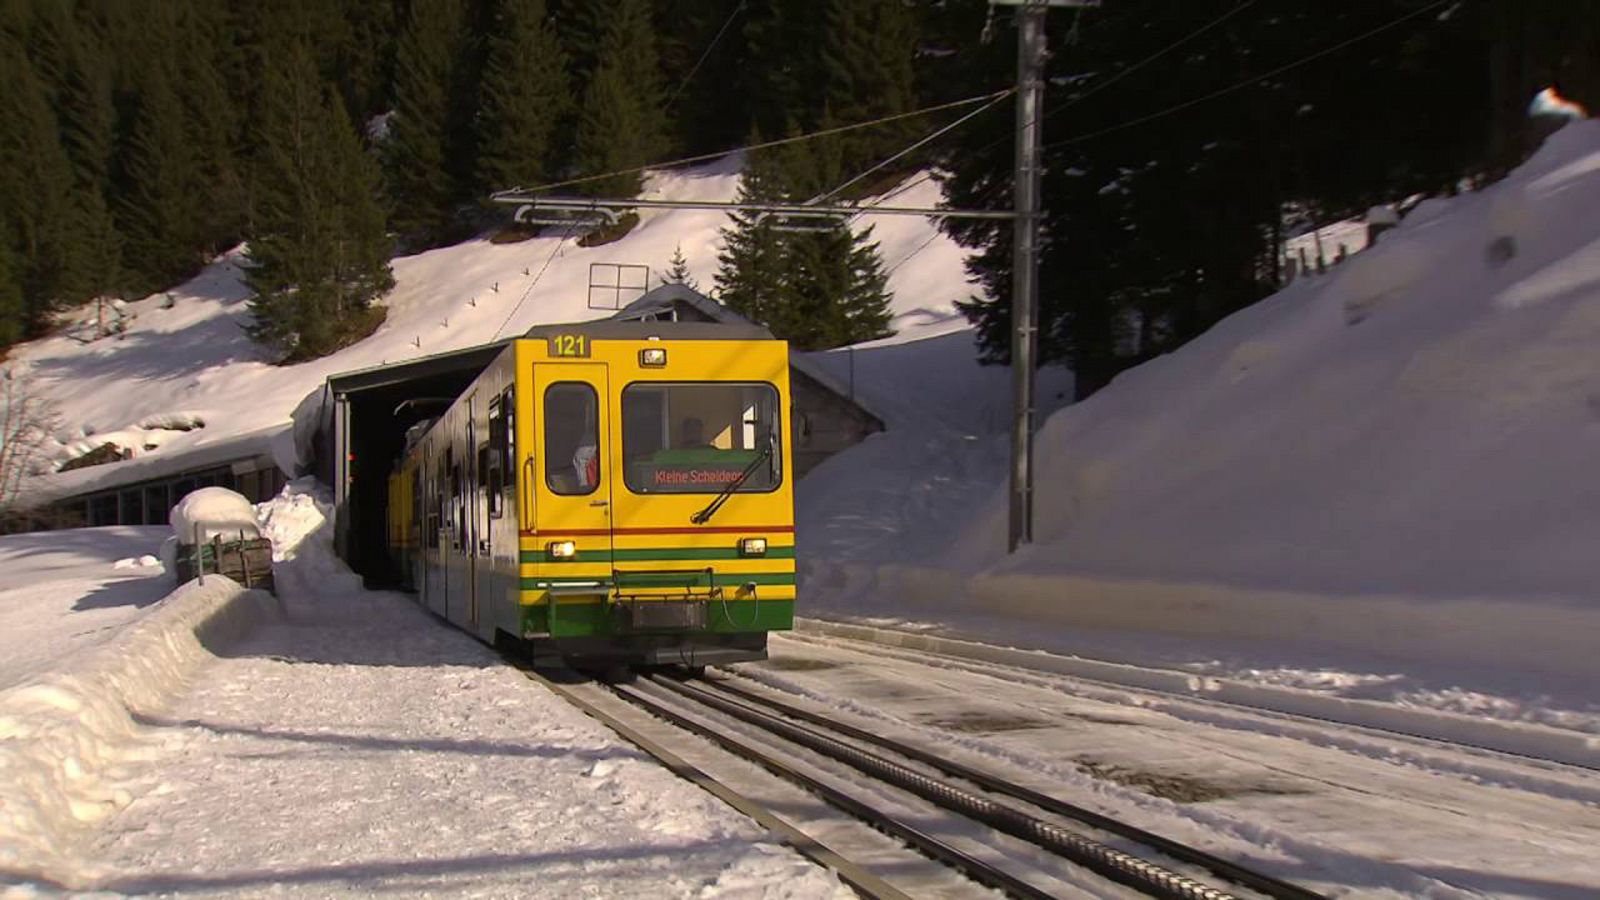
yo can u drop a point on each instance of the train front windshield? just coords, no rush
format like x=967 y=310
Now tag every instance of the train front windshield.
x=698 y=438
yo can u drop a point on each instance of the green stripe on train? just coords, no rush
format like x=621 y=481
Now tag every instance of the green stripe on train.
x=664 y=554
x=662 y=579
x=595 y=619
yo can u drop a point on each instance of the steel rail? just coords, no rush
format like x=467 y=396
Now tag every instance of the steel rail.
x=939 y=850
x=850 y=873
x=1108 y=862
x=1266 y=884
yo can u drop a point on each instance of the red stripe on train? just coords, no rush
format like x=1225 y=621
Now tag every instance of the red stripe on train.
x=726 y=529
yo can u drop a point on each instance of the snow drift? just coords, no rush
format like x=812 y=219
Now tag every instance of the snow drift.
x=63 y=734
x=1400 y=454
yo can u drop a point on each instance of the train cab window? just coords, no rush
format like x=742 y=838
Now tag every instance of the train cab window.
x=571 y=438
x=698 y=438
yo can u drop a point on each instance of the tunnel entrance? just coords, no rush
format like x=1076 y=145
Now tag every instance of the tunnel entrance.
x=370 y=416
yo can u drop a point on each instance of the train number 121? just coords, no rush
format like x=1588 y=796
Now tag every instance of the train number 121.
x=569 y=345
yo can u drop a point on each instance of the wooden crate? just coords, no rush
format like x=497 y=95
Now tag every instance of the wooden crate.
x=248 y=562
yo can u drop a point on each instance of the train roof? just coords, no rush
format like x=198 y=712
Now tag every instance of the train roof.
x=634 y=330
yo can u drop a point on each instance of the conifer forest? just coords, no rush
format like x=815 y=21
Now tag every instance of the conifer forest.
x=141 y=138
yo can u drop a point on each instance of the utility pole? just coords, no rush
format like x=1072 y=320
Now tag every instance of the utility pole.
x=1025 y=254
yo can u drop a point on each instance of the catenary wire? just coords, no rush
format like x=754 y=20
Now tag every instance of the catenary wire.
x=812 y=135
x=1228 y=14
x=701 y=61
x=1151 y=58
x=531 y=284
x=915 y=146
x=1178 y=107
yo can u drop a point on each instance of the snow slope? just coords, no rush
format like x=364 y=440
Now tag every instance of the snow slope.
x=1425 y=419
x=1377 y=484
x=185 y=360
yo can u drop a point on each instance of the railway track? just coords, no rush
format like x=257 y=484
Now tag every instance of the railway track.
x=810 y=750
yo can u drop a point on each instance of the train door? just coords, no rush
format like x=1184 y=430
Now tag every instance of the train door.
x=574 y=483
x=437 y=528
x=464 y=491
x=416 y=540
x=498 y=583
x=482 y=564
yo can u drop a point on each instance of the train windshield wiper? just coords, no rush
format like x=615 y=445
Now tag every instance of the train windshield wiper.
x=704 y=515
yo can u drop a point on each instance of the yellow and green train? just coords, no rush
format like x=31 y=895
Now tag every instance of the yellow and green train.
x=610 y=493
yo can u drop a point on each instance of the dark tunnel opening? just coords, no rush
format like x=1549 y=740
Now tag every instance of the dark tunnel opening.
x=377 y=440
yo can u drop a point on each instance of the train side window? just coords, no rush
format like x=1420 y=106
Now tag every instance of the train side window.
x=457 y=517
x=571 y=438
x=508 y=449
x=491 y=459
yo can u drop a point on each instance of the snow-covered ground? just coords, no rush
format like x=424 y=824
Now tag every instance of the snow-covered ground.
x=431 y=766
x=63 y=591
x=1341 y=812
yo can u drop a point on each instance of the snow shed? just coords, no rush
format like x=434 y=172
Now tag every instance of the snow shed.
x=361 y=436
x=361 y=430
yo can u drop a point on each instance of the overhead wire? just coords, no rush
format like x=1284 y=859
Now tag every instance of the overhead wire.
x=1228 y=14
x=531 y=284
x=1239 y=85
x=916 y=146
x=1232 y=11
x=709 y=47
x=763 y=145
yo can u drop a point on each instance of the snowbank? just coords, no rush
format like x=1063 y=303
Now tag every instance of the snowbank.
x=1399 y=455
x=63 y=734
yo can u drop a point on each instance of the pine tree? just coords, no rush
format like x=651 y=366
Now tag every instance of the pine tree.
x=678 y=270
x=319 y=257
x=581 y=26
x=621 y=125
x=364 y=56
x=76 y=75
x=782 y=81
x=703 y=60
x=815 y=289
x=35 y=191
x=158 y=207
x=1155 y=232
x=421 y=183
x=525 y=99
x=752 y=268
x=13 y=310
x=212 y=123
x=866 y=61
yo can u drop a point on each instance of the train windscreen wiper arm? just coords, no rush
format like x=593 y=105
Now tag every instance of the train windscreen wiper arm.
x=704 y=515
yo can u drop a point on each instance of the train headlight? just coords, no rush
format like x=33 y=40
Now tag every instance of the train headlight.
x=753 y=547
x=653 y=357
x=562 y=549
